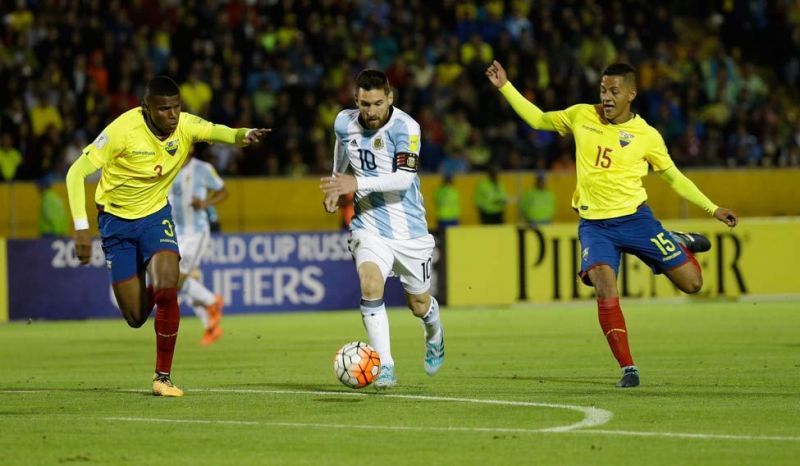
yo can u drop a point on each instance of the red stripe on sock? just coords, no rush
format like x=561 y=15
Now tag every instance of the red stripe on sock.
x=691 y=257
x=613 y=324
x=168 y=317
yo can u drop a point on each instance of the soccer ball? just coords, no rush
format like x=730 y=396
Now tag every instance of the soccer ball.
x=356 y=364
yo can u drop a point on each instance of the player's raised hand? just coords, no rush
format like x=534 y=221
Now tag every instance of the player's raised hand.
x=726 y=216
x=254 y=136
x=83 y=246
x=497 y=74
x=338 y=185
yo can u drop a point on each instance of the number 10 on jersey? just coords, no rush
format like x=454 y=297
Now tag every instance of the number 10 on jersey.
x=367 y=159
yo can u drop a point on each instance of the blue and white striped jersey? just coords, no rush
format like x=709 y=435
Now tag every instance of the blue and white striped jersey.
x=372 y=152
x=195 y=180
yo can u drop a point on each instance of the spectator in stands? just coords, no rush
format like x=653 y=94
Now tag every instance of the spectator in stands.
x=10 y=158
x=448 y=203
x=44 y=114
x=538 y=204
x=195 y=93
x=491 y=198
x=295 y=59
x=53 y=218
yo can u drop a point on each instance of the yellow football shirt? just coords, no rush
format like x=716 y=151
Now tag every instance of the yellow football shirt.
x=611 y=160
x=138 y=168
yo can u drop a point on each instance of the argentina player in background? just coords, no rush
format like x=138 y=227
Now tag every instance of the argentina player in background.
x=196 y=188
x=379 y=144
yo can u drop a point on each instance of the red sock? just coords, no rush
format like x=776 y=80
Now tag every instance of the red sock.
x=691 y=257
x=613 y=324
x=168 y=317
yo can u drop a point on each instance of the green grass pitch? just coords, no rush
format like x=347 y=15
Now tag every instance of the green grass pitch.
x=720 y=385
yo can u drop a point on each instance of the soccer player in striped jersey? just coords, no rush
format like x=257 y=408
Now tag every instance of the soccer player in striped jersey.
x=140 y=154
x=196 y=188
x=376 y=156
x=613 y=149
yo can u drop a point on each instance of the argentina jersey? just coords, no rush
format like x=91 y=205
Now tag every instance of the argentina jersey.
x=194 y=181
x=373 y=152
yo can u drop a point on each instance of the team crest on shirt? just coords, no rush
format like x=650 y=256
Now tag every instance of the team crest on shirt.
x=172 y=147
x=625 y=138
x=377 y=143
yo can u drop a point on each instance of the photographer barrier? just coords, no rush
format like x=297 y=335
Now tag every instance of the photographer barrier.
x=253 y=273
x=503 y=265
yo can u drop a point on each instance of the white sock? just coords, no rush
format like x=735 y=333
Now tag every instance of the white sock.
x=199 y=298
x=198 y=294
x=376 y=322
x=202 y=313
x=432 y=324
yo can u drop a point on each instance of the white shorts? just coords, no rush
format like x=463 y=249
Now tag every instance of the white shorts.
x=409 y=259
x=192 y=247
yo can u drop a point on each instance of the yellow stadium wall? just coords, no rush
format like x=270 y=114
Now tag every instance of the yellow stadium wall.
x=280 y=204
x=483 y=263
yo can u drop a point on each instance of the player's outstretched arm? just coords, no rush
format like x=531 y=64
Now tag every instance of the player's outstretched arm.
x=239 y=137
x=76 y=193
x=689 y=191
x=342 y=184
x=530 y=113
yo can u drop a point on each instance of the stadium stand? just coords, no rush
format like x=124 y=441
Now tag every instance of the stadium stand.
x=709 y=80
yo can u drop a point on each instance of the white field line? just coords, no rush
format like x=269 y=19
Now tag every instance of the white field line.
x=333 y=426
x=455 y=429
x=592 y=417
x=687 y=435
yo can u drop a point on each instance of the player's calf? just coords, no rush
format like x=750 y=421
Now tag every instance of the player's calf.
x=687 y=277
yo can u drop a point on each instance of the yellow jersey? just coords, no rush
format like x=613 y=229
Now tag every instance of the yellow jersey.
x=611 y=160
x=138 y=168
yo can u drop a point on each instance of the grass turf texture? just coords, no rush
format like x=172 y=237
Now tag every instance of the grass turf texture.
x=75 y=392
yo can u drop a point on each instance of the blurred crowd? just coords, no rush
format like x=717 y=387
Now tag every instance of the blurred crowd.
x=720 y=79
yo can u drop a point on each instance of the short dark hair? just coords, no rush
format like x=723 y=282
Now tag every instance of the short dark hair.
x=621 y=69
x=370 y=79
x=162 y=86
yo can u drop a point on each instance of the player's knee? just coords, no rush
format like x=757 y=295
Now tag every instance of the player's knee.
x=694 y=285
x=135 y=317
x=371 y=283
x=604 y=280
x=135 y=321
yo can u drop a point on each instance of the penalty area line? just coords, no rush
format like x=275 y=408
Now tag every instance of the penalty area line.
x=314 y=425
x=687 y=435
x=453 y=429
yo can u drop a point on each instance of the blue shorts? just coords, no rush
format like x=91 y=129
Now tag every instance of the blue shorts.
x=129 y=244
x=640 y=234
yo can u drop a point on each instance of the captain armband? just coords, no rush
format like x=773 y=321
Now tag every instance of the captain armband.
x=406 y=161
